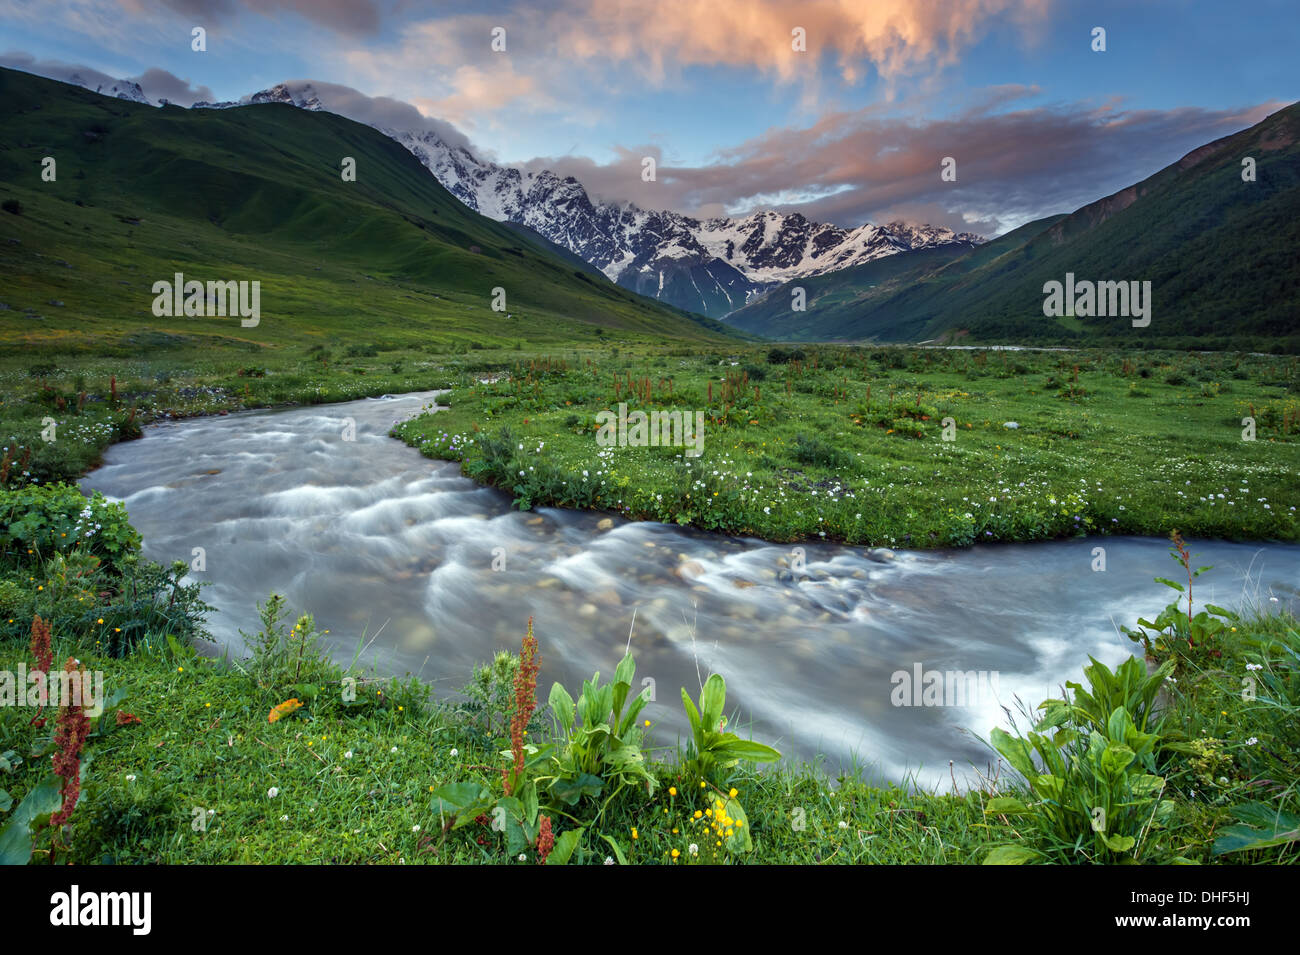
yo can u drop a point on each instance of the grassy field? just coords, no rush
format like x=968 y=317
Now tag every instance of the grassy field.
x=353 y=779
x=849 y=444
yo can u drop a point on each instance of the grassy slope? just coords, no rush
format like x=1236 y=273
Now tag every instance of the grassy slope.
x=1220 y=254
x=835 y=300
x=255 y=193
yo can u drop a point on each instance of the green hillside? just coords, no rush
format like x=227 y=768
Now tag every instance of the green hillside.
x=255 y=193
x=1221 y=255
x=835 y=300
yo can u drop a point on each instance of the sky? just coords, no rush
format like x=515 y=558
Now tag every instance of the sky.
x=852 y=128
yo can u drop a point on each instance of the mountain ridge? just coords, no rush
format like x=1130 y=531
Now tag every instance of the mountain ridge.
x=711 y=266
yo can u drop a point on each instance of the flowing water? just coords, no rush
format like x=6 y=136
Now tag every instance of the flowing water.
x=437 y=572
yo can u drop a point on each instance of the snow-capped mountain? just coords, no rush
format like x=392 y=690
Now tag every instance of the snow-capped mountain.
x=121 y=89
x=710 y=266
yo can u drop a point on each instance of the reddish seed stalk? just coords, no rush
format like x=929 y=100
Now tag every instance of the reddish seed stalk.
x=525 y=702
x=73 y=728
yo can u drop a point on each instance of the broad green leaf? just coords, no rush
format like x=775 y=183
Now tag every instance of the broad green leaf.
x=746 y=749
x=562 y=706
x=712 y=700
x=6 y=801
x=451 y=798
x=618 y=850
x=516 y=836
x=739 y=840
x=623 y=675
x=1006 y=805
x=1118 y=843
x=529 y=795
x=1169 y=583
x=16 y=837
x=693 y=715
x=1010 y=855
x=1274 y=829
x=1116 y=758
x=565 y=844
x=1015 y=751
x=569 y=791
x=633 y=711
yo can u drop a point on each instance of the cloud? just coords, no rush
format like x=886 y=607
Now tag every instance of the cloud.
x=344 y=16
x=895 y=36
x=382 y=111
x=156 y=83
x=856 y=167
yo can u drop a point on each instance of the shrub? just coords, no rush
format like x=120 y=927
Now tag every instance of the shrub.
x=57 y=518
x=817 y=452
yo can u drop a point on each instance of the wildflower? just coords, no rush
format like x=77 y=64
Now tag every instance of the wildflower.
x=284 y=818
x=272 y=793
x=348 y=754
x=416 y=827
x=842 y=824
x=608 y=860
x=676 y=853
x=672 y=790
x=455 y=752
x=393 y=750
x=1253 y=741
x=734 y=793
x=693 y=849
x=130 y=777
x=634 y=833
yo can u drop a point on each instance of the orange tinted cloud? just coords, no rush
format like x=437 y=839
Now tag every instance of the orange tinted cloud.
x=895 y=36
